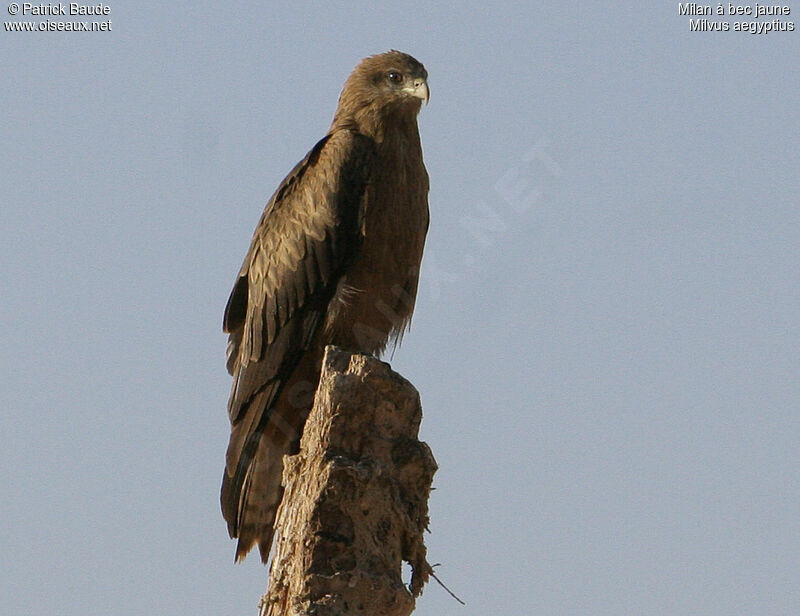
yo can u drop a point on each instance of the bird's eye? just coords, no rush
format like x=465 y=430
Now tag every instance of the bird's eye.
x=395 y=77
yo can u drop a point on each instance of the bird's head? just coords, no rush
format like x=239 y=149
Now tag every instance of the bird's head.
x=383 y=87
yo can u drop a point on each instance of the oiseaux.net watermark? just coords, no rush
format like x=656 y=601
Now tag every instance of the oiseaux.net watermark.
x=72 y=13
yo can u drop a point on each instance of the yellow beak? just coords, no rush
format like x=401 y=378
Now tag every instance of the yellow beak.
x=419 y=89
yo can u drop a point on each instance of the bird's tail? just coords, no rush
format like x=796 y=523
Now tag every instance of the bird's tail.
x=268 y=428
x=250 y=512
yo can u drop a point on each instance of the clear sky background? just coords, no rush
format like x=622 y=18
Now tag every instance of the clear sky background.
x=606 y=341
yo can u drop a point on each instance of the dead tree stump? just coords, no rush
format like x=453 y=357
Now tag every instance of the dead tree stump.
x=356 y=498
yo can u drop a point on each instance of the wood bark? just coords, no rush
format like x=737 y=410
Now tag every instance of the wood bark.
x=356 y=498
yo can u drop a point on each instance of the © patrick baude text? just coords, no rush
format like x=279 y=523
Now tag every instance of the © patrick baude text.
x=771 y=14
x=58 y=8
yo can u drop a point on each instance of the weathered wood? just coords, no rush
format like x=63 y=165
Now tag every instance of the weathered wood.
x=356 y=500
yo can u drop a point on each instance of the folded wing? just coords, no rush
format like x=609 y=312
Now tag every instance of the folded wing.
x=308 y=235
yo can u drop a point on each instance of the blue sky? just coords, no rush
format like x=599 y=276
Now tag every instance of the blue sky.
x=606 y=337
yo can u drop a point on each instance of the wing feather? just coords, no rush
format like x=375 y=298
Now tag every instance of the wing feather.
x=308 y=235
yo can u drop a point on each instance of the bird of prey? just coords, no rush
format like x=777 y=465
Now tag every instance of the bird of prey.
x=334 y=260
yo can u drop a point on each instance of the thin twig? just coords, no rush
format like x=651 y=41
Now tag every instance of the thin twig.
x=450 y=592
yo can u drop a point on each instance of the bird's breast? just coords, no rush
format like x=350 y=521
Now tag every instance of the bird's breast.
x=375 y=298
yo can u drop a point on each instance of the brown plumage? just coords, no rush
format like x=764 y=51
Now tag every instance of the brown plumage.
x=334 y=260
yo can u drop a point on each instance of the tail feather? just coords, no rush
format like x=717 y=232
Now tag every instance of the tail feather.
x=266 y=428
x=250 y=513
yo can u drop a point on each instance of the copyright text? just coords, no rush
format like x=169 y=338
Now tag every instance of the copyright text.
x=58 y=8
